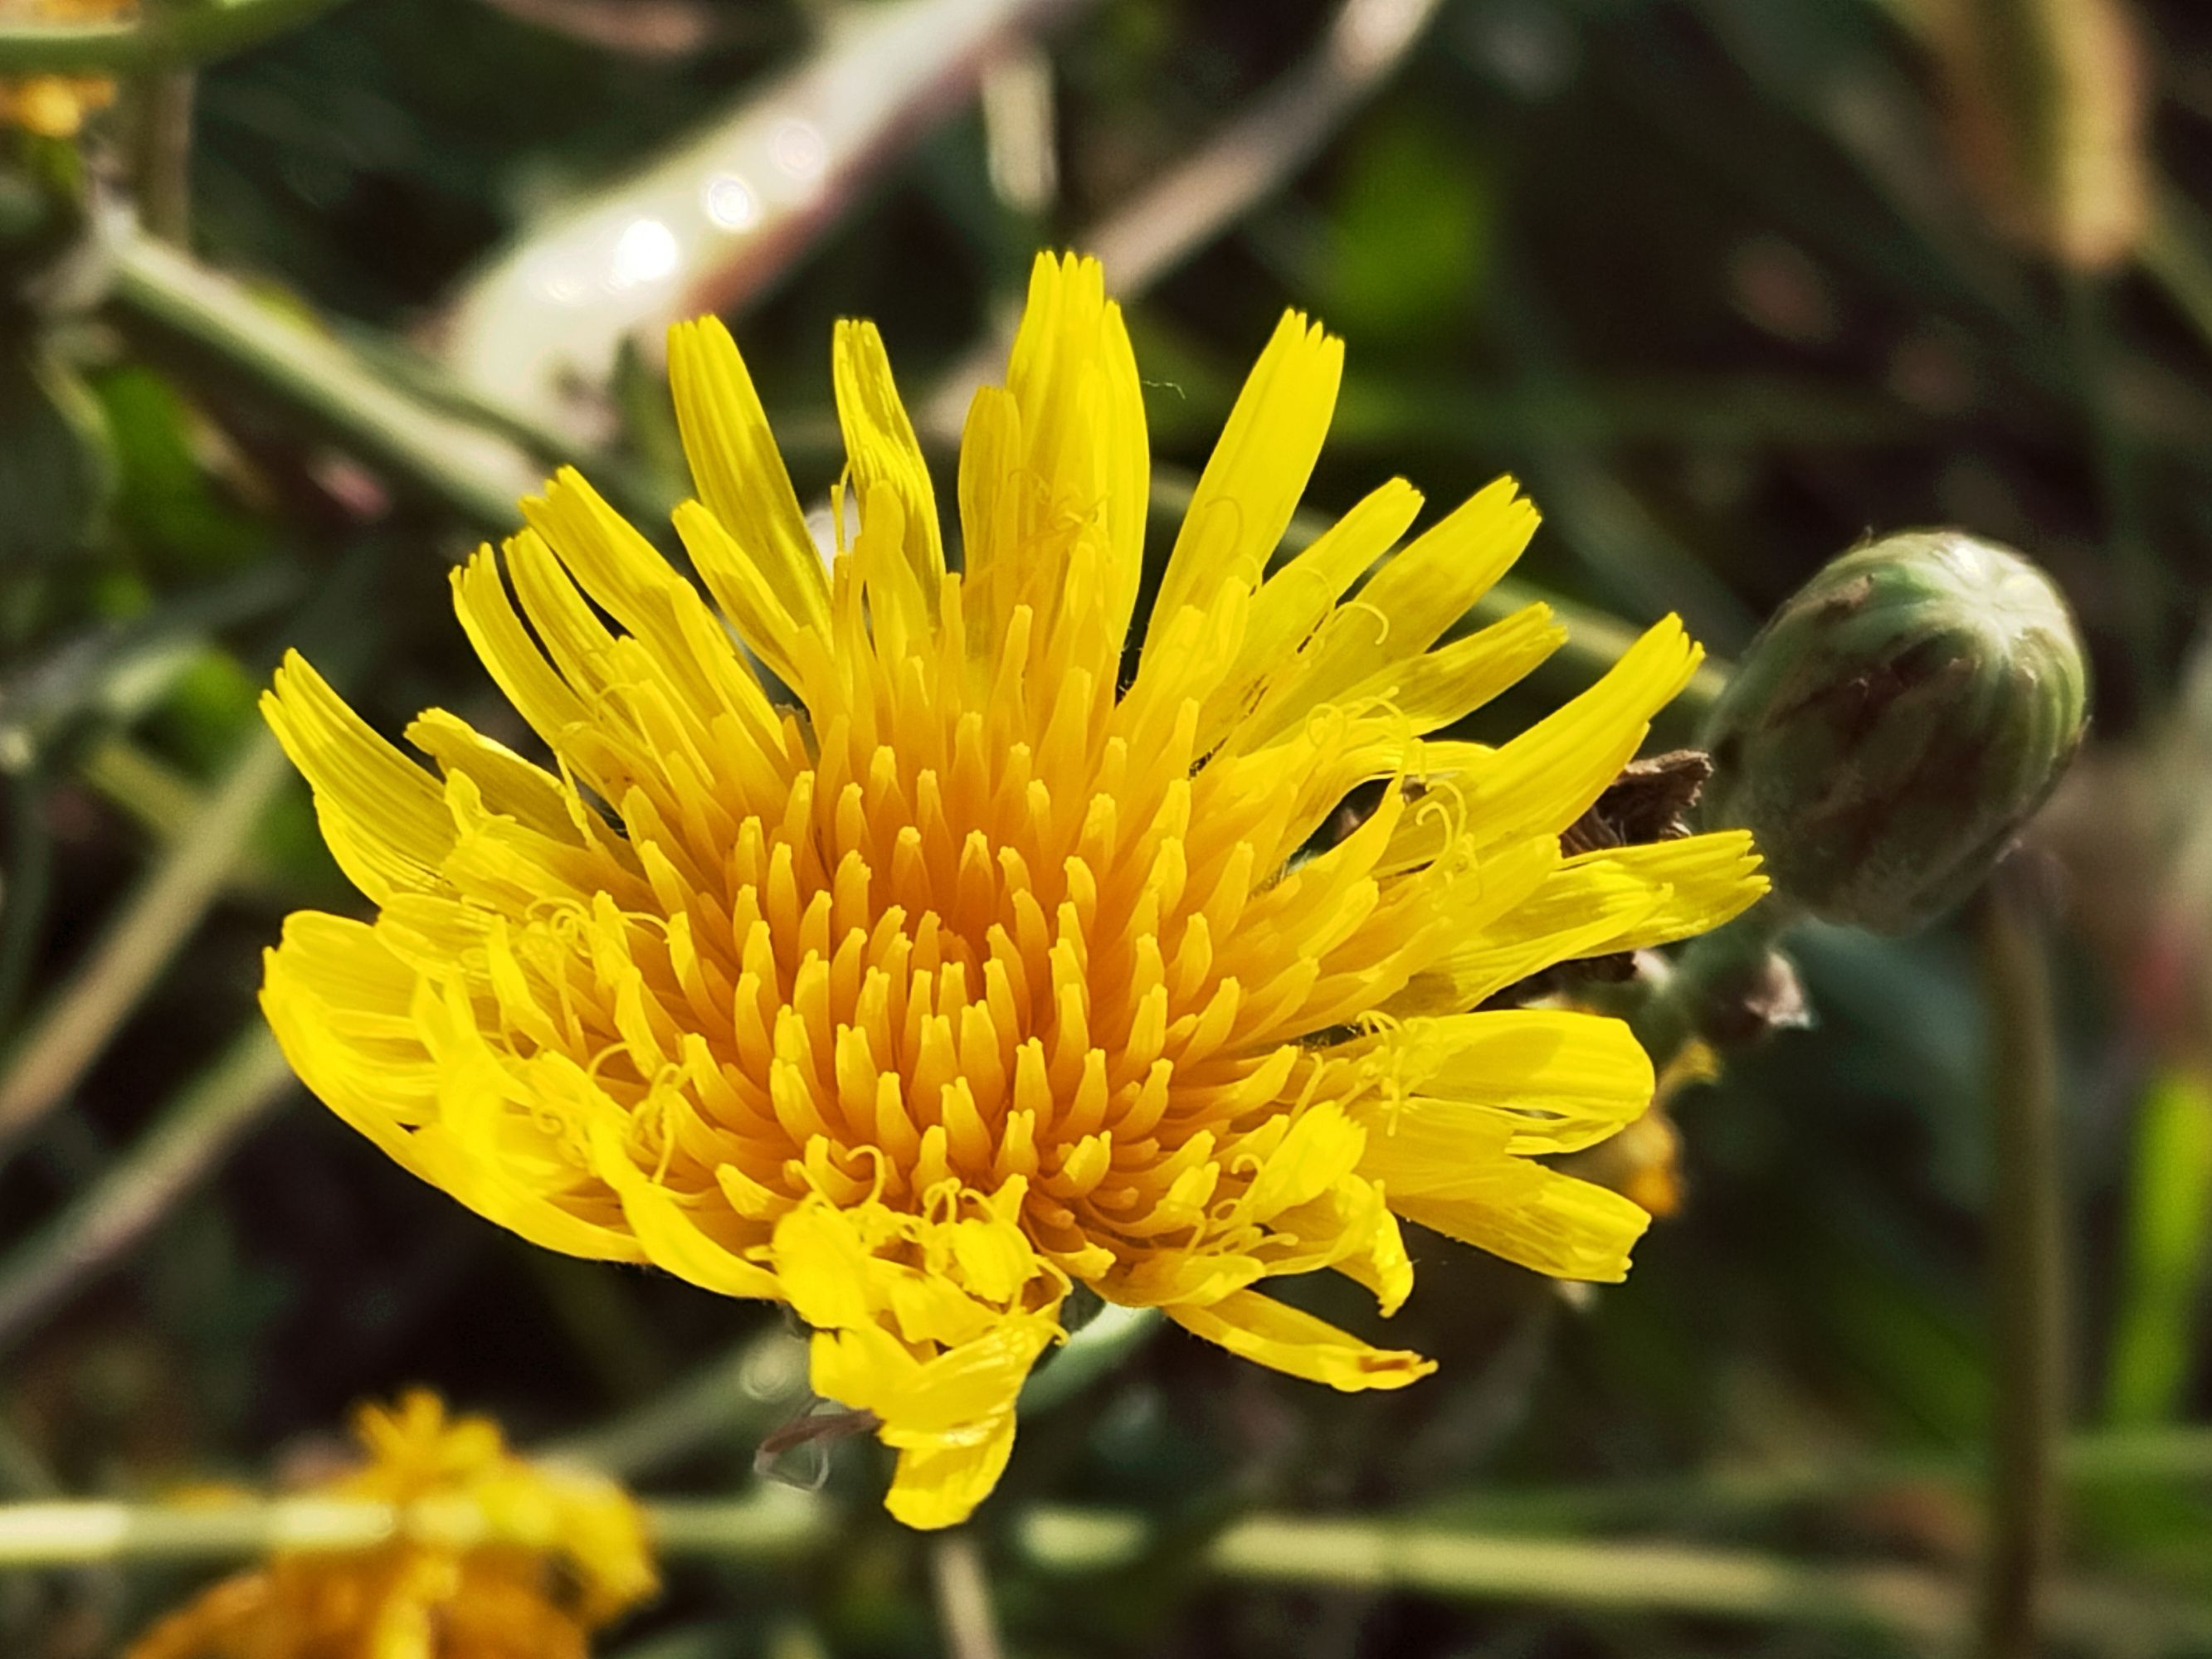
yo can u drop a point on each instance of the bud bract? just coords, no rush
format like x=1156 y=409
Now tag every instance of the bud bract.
x=1895 y=723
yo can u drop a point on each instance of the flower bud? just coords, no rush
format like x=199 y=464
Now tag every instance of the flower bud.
x=1895 y=723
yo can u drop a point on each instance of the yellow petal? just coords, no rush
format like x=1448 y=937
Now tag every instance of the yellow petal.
x=1538 y=1217
x=1259 y=470
x=1420 y=594
x=1322 y=1147
x=383 y=816
x=1407 y=606
x=955 y=1397
x=1704 y=881
x=1065 y=446
x=507 y=783
x=822 y=1264
x=1437 y=687
x=1548 y=776
x=1533 y=1080
x=744 y=588
x=1293 y=602
x=347 y=1013
x=667 y=1232
x=1259 y=1327
x=938 y=1486
x=881 y=448
x=514 y=659
x=739 y=471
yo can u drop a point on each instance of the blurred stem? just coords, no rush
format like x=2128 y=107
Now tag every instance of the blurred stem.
x=156 y=796
x=77 y=1024
x=1365 y=1554
x=2101 y=1458
x=2027 y=1263
x=1599 y=1575
x=1615 y=1575
x=749 y=1390
x=964 y=1597
x=1243 y=161
x=190 y=34
x=2095 y=1459
x=166 y=803
x=28 y=886
x=1265 y=145
x=477 y=473
x=1113 y=1334
x=762 y=1380
x=240 y=1088
x=162 y=153
x=879 y=75
x=771 y=1522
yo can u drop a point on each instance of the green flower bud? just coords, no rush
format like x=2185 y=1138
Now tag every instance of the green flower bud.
x=1895 y=723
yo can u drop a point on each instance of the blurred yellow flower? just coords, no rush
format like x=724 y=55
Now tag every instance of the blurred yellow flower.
x=55 y=105
x=503 y=1559
x=1643 y=1162
x=991 y=962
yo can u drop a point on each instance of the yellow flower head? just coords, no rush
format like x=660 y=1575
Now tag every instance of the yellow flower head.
x=55 y=105
x=998 y=955
x=494 y=1559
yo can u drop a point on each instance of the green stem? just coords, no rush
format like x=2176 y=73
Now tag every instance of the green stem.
x=245 y=1085
x=162 y=801
x=745 y=1392
x=1712 y=978
x=1371 y=1555
x=27 y=886
x=2096 y=1459
x=162 y=147
x=761 y=1382
x=1095 y=1351
x=1596 y=1576
x=2027 y=1241
x=190 y=34
x=477 y=474
x=1610 y=1575
x=772 y=1521
x=77 y=1024
x=963 y=1589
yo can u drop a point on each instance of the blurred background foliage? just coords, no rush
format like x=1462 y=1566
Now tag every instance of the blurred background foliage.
x=1728 y=284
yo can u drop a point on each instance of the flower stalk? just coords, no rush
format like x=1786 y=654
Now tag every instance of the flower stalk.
x=1728 y=987
x=2027 y=1265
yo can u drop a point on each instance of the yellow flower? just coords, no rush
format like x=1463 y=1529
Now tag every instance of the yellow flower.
x=55 y=105
x=499 y=1559
x=992 y=960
